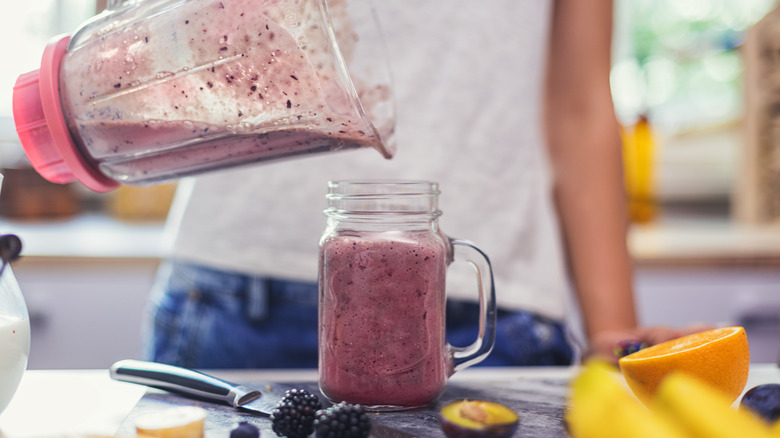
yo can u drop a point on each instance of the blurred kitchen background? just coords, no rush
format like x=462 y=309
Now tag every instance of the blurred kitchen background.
x=693 y=86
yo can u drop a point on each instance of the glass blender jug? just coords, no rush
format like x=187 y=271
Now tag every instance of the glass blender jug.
x=14 y=322
x=153 y=90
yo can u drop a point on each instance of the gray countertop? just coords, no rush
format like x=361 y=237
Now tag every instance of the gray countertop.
x=539 y=402
x=89 y=402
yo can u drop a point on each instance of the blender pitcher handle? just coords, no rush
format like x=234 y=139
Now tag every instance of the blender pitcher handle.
x=464 y=357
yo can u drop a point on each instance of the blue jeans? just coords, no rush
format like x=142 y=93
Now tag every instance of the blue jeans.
x=204 y=318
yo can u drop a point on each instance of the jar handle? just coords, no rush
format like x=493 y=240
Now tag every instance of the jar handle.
x=464 y=357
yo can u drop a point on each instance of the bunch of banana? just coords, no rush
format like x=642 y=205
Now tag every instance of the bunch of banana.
x=601 y=406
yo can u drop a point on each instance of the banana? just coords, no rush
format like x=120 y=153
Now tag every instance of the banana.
x=705 y=412
x=601 y=407
x=775 y=428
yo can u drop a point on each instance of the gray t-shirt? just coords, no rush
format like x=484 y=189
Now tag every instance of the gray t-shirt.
x=468 y=81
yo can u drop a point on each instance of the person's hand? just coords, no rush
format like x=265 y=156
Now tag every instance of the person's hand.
x=604 y=345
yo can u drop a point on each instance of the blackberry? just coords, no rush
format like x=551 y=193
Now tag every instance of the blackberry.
x=342 y=421
x=293 y=416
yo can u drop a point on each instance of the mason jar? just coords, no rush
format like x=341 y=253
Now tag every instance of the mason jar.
x=382 y=276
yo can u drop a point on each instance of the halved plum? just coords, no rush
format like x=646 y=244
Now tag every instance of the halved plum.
x=478 y=419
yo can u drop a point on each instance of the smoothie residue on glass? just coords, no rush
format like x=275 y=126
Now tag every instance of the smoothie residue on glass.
x=237 y=81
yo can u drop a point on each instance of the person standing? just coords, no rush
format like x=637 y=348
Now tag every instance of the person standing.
x=507 y=106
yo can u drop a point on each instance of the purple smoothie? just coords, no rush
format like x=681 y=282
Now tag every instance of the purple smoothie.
x=382 y=328
x=212 y=148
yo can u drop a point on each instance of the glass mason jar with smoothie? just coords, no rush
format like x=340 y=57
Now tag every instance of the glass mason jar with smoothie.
x=382 y=272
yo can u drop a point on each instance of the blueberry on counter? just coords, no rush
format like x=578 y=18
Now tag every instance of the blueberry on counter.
x=245 y=430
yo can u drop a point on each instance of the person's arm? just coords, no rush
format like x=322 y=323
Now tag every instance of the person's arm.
x=585 y=150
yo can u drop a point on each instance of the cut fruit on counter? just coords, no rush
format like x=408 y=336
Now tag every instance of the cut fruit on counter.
x=720 y=357
x=477 y=418
x=601 y=406
x=177 y=422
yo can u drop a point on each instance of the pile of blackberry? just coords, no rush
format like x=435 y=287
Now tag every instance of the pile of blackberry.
x=299 y=414
x=293 y=416
x=342 y=421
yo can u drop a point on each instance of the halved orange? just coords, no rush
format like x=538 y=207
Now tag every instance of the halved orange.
x=720 y=357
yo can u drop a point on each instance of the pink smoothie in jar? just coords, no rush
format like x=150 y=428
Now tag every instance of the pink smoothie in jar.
x=382 y=326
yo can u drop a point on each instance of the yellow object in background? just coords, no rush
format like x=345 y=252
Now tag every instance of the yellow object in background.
x=639 y=168
x=141 y=204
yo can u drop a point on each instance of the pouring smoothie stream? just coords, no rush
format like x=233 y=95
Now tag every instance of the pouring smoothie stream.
x=159 y=89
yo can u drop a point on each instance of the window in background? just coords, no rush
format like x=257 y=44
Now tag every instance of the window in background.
x=25 y=28
x=678 y=62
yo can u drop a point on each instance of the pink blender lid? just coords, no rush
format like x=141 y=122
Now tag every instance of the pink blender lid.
x=42 y=129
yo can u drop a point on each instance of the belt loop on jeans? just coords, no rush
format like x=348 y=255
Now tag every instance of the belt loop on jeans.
x=257 y=299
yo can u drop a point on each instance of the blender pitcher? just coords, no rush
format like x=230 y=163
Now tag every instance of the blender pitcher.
x=14 y=322
x=154 y=90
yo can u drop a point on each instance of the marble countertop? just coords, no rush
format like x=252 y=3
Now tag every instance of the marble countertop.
x=60 y=403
